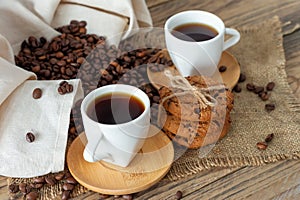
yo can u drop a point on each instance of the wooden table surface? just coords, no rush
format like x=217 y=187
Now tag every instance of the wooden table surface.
x=280 y=180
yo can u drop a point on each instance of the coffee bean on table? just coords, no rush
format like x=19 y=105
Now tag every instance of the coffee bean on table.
x=37 y=93
x=242 y=78
x=258 y=89
x=178 y=195
x=32 y=196
x=68 y=186
x=65 y=195
x=237 y=88
x=23 y=188
x=250 y=87
x=39 y=180
x=71 y=180
x=50 y=180
x=269 y=137
x=270 y=107
x=270 y=86
x=59 y=176
x=264 y=96
x=222 y=68
x=13 y=188
x=262 y=145
x=37 y=185
x=30 y=137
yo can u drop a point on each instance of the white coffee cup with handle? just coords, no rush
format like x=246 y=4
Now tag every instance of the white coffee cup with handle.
x=197 y=57
x=116 y=143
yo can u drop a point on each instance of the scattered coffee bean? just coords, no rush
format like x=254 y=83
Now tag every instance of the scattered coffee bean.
x=127 y=196
x=32 y=196
x=222 y=68
x=13 y=188
x=269 y=137
x=65 y=87
x=242 y=78
x=65 y=195
x=237 y=88
x=30 y=137
x=250 y=87
x=258 y=89
x=270 y=107
x=23 y=188
x=37 y=185
x=37 y=93
x=270 y=86
x=39 y=179
x=262 y=145
x=71 y=180
x=50 y=180
x=178 y=195
x=59 y=176
x=264 y=96
x=68 y=186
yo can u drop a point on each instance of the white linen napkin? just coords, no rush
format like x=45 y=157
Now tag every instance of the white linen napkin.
x=48 y=117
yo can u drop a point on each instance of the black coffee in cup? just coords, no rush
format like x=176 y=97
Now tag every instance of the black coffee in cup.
x=194 y=32
x=115 y=108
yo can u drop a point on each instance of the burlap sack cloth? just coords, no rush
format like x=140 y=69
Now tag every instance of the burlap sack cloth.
x=260 y=53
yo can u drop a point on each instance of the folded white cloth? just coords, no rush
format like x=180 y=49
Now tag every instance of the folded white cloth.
x=20 y=19
x=48 y=117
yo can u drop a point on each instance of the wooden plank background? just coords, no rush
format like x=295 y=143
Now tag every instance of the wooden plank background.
x=280 y=180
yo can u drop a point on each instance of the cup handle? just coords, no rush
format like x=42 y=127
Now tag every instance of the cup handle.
x=90 y=148
x=233 y=40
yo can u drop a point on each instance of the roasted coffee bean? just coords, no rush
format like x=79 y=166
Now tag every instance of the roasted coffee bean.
x=178 y=195
x=71 y=180
x=30 y=137
x=59 y=176
x=50 y=180
x=39 y=180
x=242 y=78
x=262 y=145
x=127 y=196
x=65 y=195
x=32 y=196
x=37 y=185
x=68 y=186
x=13 y=188
x=258 y=89
x=270 y=107
x=270 y=86
x=222 y=68
x=269 y=137
x=237 y=88
x=250 y=87
x=37 y=93
x=23 y=188
x=264 y=96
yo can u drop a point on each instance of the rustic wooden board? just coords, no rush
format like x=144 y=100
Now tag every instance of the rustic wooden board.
x=280 y=180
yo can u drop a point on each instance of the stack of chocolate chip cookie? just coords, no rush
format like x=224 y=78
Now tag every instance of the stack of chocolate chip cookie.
x=192 y=123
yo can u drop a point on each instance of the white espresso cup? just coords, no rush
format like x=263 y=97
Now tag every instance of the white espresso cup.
x=198 y=57
x=116 y=143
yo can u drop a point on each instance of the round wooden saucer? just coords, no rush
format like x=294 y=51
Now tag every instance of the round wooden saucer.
x=230 y=77
x=149 y=166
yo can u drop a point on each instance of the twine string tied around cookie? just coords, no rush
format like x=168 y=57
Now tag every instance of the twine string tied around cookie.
x=202 y=94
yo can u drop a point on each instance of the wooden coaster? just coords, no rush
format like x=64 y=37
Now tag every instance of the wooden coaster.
x=149 y=166
x=230 y=77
